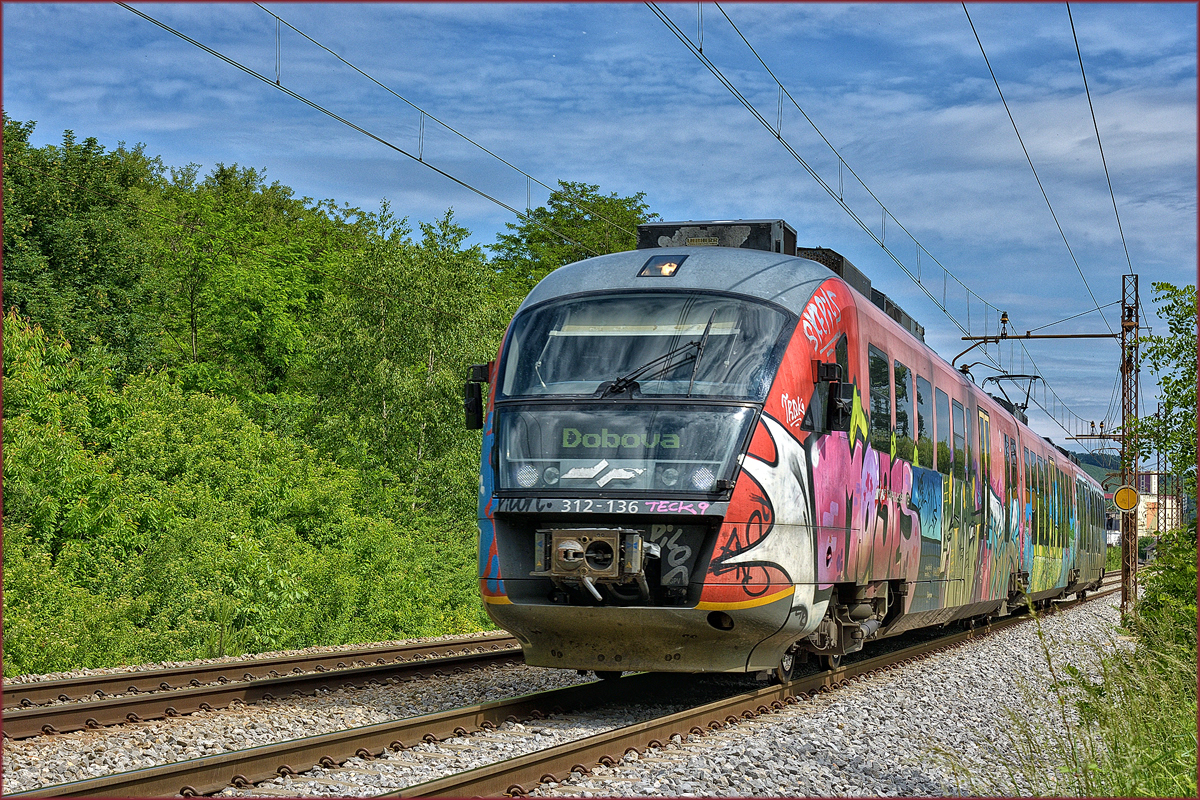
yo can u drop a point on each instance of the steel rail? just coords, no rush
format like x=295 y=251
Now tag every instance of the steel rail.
x=23 y=723
x=67 y=689
x=513 y=776
x=245 y=767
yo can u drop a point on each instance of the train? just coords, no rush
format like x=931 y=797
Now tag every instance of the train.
x=722 y=452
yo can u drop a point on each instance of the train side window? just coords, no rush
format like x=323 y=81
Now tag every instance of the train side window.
x=960 y=441
x=945 y=450
x=1043 y=496
x=881 y=399
x=1028 y=510
x=1055 y=506
x=841 y=353
x=985 y=453
x=905 y=445
x=924 y=424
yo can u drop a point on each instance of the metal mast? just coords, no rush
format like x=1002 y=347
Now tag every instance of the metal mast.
x=1129 y=450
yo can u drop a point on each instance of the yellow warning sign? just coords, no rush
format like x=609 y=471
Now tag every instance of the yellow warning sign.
x=1125 y=498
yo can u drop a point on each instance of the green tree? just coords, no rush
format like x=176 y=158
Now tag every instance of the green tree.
x=577 y=222
x=75 y=247
x=392 y=355
x=1172 y=359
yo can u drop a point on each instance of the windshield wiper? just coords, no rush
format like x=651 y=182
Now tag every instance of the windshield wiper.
x=622 y=383
x=700 y=351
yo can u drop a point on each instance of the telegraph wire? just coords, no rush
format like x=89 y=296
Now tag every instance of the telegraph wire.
x=1030 y=160
x=1096 y=126
x=842 y=163
x=314 y=105
x=424 y=113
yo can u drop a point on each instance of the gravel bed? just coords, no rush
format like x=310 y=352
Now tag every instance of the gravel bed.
x=897 y=734
x=429 y=761
x=80 y=673
x=60 y=758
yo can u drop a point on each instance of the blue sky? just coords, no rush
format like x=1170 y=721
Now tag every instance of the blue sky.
x=605 y=93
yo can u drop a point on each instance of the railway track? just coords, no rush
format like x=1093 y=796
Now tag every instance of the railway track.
x=512 y=776
x=70 y=704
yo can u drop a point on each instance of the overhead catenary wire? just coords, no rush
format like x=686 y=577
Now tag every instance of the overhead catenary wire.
x=1099 y=144
x=1025 y=150
x=838 y=195
x=316 y=106
x=679 y=34
x=1074 y=316
x=424 y=114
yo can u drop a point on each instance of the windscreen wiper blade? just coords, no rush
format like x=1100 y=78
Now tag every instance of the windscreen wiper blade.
x=622 y=383
x=700 y=351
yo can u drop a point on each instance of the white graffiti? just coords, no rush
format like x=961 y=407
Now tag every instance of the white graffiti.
x=790 y=543
x=819 y=316
x=793 y=408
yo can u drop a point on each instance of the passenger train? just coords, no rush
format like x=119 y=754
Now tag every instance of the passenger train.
x=713 y=454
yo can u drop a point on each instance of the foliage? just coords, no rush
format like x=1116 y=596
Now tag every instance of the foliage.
x=577 y=222
x=149 y=523
x=391 y=361
x=75 y=249
x=1172 y=358
x=232 y=416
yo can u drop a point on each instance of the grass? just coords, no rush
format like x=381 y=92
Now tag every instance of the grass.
x=1124 y=728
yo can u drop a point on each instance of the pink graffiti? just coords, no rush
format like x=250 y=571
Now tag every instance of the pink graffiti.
x=867 y=529
x=675 y=507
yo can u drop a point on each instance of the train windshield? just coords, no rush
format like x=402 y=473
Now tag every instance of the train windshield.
x=653 y=344
x=674 y=448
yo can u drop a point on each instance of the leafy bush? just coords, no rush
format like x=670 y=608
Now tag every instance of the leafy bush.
x=151 y=523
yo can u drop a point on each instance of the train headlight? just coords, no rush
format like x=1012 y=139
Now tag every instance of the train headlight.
x=550 y=476
x=527 y=475
x=669 y=476
x=703 y=479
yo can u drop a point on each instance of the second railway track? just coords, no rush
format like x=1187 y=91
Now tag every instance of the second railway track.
x=514 y=775
x=57 y=706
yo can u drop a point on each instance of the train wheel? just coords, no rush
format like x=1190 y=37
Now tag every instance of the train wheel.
x=608 y=674
x=1082 y=595
x=787 y=666
x=830 y=661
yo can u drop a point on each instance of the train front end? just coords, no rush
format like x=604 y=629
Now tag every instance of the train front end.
x=635 y=503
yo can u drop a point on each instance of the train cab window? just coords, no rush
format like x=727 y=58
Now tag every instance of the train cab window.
x=945 y=450
x=881 y=399
x=905 y=445
x=662 y=344
x=960 y=441
x=924 y=424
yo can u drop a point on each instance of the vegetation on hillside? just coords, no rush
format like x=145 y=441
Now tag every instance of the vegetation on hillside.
x=232 y=417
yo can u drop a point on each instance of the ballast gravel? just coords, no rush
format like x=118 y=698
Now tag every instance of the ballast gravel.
x=900 y=733
x=60 y=758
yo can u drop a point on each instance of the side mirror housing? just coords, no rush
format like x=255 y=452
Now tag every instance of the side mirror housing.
x=473 y=395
